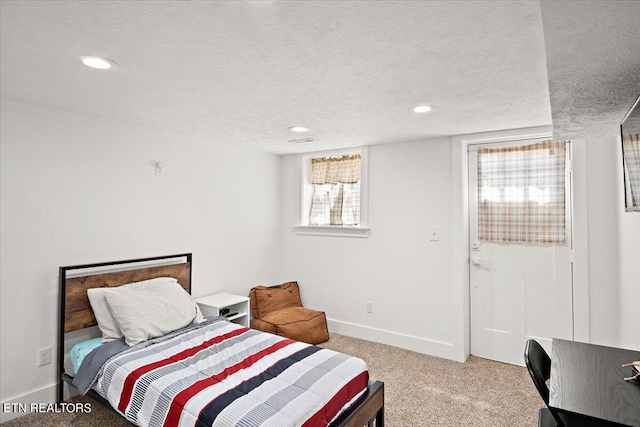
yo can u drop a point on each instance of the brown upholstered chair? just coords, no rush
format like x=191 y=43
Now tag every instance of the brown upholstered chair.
x=278 y=310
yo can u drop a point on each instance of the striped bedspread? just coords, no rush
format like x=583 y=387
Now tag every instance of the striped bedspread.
x=223 y=374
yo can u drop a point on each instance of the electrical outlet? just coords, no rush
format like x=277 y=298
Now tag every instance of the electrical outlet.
x=44 y=356
x=369 y=307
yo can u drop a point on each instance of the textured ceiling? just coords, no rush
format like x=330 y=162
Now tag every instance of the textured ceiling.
x=593 y=62
x=242 y=72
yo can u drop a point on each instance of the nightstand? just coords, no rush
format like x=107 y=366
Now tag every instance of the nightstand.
x=237 y=305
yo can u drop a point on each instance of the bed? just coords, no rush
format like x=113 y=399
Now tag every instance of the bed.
x=209 y=373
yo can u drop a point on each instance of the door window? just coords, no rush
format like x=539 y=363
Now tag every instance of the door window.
x=521 y=193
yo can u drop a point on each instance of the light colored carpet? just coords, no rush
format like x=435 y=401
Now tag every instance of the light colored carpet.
x=420 y=391
x=423 y=390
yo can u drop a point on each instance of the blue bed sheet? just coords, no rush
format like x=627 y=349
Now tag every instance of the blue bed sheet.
x=80 y=351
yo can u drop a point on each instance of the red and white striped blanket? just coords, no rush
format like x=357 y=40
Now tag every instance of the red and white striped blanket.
x=223 y=374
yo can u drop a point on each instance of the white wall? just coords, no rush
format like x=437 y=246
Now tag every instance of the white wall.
x=78 y=189
x=629 y=273
x=602 y=186
x=406 y=276
x=418 y=286
x=613 y=241
x=629 y=250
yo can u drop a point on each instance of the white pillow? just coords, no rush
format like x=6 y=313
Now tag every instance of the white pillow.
x=106 y=322
x=145 y=312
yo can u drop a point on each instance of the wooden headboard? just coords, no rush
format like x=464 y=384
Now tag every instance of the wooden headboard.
x=78 y=313
x=75 y=309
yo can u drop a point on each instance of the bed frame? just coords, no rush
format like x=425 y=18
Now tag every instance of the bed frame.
x=76 y=314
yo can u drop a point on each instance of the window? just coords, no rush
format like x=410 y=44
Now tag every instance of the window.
x=336 y=190
x=521 y=193
x=631 y=158
x=630 y=132
x=333 y=193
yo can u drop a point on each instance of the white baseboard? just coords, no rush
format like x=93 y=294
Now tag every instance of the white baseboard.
x=408 y=342
x=19 y=403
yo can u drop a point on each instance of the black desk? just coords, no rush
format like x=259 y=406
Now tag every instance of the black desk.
x=587 y=383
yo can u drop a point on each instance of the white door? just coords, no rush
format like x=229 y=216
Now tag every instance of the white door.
x=519 y=290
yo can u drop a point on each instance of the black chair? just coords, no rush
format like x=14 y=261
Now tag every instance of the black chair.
x=539 y=366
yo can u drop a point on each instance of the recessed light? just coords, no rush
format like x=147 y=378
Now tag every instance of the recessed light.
x=97 y=62
x=421 y=109
x=299 y=129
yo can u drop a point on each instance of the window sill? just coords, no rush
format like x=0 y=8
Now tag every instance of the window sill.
x=319 y=230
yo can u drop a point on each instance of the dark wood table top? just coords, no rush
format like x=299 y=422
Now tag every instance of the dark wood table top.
x=588 y=380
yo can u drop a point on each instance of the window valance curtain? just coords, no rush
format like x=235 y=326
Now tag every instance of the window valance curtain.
x=521 y=193
x=336 y=191
x=631 y=145
x=333 y=170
